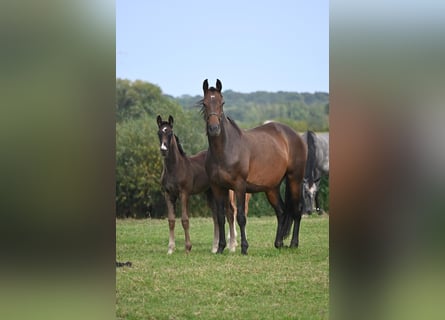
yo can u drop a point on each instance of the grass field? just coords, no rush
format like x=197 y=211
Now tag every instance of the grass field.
x=266 y=284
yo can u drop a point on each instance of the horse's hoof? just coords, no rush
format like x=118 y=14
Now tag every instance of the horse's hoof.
x=293 y=245
x=220 y=249
x=278 y=245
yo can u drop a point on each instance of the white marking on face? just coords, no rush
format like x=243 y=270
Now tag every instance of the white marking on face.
x=164 y=129
x=163 y=147
x=212 y=97
x=313 y=189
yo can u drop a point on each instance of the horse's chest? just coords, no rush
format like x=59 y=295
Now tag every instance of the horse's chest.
x=220 y=175
x=170 y=184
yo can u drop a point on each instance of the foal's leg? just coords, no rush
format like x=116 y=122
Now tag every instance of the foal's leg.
x=185 y=221
x=171 y=204
x=274 y=198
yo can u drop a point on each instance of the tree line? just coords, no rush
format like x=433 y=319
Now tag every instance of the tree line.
x=138 y=160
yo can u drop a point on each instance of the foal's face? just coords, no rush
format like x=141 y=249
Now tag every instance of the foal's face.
x=213 y=107
x=165 y=134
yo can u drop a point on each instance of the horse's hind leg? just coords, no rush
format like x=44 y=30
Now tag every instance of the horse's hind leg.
x=294 y=208
x=215 y=233
x=276 y=202
x=171 y=204
x=185 y=221
x=212 y=205
x=241 y=217
x=231 y=214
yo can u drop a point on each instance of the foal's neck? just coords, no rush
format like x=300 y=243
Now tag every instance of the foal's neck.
x=174 y=156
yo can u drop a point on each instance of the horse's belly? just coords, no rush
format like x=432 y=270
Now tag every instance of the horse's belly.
x=266 y=176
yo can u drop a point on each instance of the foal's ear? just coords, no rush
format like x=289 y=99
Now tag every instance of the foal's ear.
x=159 y=120
x=170 y=121
x=205 y=86
x=218 y=85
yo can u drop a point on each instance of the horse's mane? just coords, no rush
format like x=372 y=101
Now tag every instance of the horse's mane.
x=234 y=125
x=311 y=157
x=178 y=143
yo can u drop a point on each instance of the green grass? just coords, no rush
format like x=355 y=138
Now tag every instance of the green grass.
x=266 y=284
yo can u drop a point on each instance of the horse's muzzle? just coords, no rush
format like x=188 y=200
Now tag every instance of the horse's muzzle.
x=214 y=130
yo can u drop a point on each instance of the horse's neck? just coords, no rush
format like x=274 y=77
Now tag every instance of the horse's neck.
x=225 y=139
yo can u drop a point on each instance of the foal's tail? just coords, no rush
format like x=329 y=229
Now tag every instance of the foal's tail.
x=288 y=217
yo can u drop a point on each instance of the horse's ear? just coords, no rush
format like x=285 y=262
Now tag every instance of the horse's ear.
x=218 y=85
x=205 y=86
x=159 y=120
x=170 y=121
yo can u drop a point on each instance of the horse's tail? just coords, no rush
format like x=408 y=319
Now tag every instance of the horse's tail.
x=311 y=157
x=288 y=217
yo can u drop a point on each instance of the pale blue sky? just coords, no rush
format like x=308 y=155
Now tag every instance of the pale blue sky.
x=248 y=45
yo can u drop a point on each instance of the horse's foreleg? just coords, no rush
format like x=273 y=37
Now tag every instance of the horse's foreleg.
x=241 y=219
x=171 y=203
x=221 y=200
x=185 y=221
x=317 y=203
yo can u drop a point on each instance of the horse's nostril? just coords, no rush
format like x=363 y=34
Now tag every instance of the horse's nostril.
x=213 y=128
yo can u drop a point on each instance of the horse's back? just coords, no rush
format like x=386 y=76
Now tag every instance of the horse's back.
x=278 y=140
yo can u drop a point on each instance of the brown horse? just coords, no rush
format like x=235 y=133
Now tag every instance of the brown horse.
x=257 y=160
x=183 y=176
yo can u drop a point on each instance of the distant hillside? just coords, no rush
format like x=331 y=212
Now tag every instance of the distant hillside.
x=303 y=110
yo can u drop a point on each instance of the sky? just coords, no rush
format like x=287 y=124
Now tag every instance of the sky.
x=249 y=45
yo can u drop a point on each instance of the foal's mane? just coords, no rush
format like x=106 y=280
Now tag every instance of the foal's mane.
x=178 y=143
x=310 y=163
